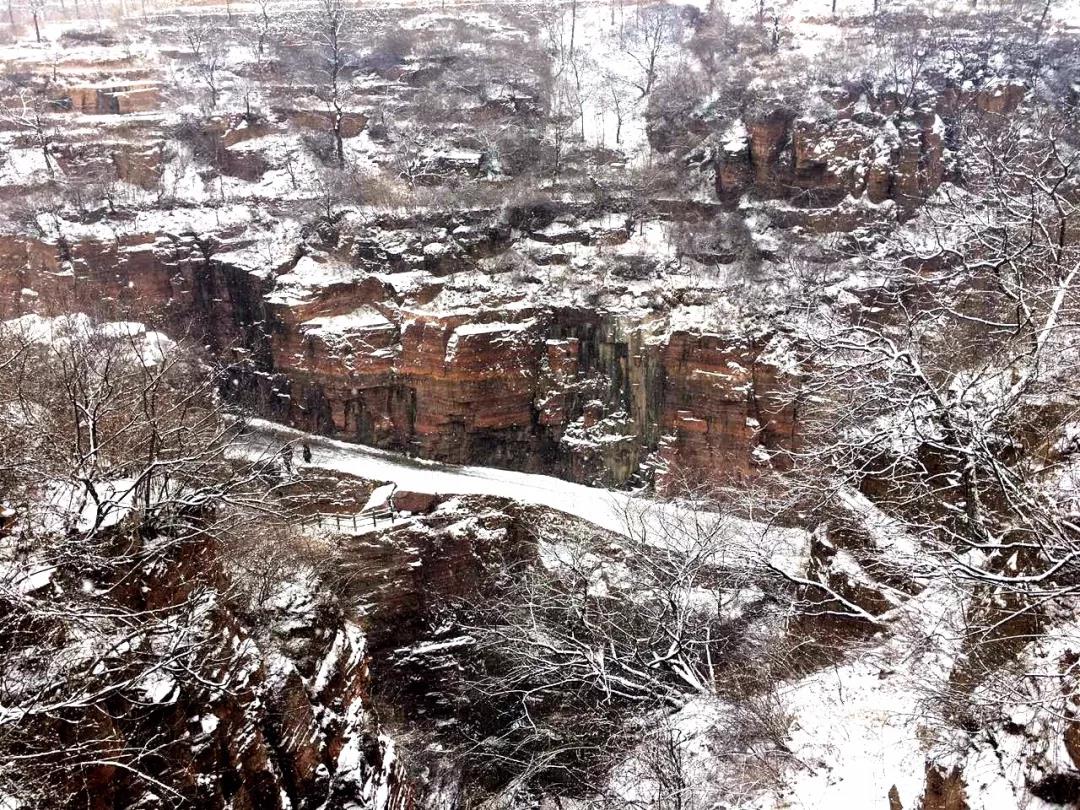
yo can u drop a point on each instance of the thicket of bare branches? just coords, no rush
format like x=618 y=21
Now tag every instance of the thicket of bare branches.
x=121 y=481
x=949 y=397
x=584 y=656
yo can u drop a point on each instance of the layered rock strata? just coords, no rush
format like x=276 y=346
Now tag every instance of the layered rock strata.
x=338 y=349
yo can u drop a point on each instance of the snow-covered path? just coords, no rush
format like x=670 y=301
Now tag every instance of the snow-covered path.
x=603 y=508
x=663 y=522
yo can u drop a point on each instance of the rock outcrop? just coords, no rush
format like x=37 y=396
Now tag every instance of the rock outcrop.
x=874 y=148
x=275 y=717
x=335 y=348
x=553 y=390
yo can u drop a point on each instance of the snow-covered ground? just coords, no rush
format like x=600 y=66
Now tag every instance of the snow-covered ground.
x=619 y=512
x=601 y=508
x=871 y=727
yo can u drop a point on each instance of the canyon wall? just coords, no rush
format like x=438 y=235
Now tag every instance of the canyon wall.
x=574 y=391
x=268 y=715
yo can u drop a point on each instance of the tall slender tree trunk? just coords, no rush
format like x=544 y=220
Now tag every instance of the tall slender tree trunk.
x=573 y=26
x=339 y=142
x=47 y=156
x=1045 y=11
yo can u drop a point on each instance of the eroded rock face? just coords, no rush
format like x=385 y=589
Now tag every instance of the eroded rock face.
x=415 y=576
x=117 y=97
x=724 y=404
x=276 y=717
x=169 y=277
x=945 y=790
x=867 y=148
x=332 y=348
x=411 y=573
x=547 y=390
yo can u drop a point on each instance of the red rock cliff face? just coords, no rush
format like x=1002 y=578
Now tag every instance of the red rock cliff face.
x=725 y=408
x=551 y=390
x=170 y=280
x=275 y=718
x=561 y=390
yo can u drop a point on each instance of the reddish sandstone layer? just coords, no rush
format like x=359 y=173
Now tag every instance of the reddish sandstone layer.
x=564 y=391
x=493 y=388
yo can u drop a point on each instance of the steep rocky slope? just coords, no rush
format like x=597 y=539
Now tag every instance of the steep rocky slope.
x=463 y=365
x=606 y=242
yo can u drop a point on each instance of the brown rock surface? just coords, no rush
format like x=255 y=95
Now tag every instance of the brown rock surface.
x=944 y=791
x=879 y=151
x=558 y=390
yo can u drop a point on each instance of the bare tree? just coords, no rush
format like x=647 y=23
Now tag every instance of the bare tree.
x=566 y=95
x=205 y=43
x=210 y=62
x=559 y=124
x=197 y=30
x=412 y=145
x=264 y=26
x=581 y=647
x=615 y=94
x=37 y=11
x=654 y=30
x=948 y=395
x=32 y=111
x=118 y=468
x=333 y=23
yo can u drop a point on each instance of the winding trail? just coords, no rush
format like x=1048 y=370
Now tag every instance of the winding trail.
x=659 y=522
x=604 y=508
